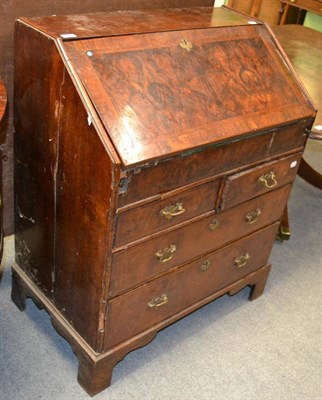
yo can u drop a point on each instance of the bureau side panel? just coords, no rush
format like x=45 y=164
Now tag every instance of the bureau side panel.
x=85 y=209
x=37 y=67
x=64 y=184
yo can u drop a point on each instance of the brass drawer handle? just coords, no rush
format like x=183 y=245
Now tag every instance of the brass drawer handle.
x=253 y=216
x=205 y=266
x=166 y=254
x=268 y=180
x=172 y=211
x=158 y=301
x=214 y=225
x=242 y=260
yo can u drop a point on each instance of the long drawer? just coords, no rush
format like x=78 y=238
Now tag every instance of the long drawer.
x=151 y=258
x=142 y=183
x=151 y=303
x=158 y=215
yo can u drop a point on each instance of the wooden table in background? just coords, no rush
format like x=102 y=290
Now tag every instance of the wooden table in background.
x=302 y=6
x=303 y=46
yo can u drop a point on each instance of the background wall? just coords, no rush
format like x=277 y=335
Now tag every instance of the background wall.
x=313 y=21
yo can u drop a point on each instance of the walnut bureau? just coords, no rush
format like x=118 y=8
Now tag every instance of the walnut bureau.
x=154 y=155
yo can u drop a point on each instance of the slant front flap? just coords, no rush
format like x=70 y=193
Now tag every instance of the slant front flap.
x=162 y=93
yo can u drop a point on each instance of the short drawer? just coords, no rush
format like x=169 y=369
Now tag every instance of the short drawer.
x=145 y=261
x=259 y=180
x=161 y=214
x=182 y=288
x=163 y=176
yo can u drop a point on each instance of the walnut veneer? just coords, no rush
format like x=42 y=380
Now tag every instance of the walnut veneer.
x=155 y=152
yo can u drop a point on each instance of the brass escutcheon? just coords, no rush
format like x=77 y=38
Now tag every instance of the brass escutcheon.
x=268 y=180
x=214 y=225
x=253 y=216
x=185 y=44
x=166 y=254
x=205 y=266
x=158 y=301
x=172 y=211
x=242 y=260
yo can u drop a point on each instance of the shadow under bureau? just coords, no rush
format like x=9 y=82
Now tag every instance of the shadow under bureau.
x=154 y=156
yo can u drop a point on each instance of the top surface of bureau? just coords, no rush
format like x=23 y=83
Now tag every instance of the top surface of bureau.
x=161 y=89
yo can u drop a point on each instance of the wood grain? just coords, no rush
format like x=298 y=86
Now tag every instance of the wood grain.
x=245 y=185
x=179 y=171
x=186 y=286
x=303 y=46
x=85 y=192
x=152 y=114
x=146 y=220
x=125 y=23
x=3 y=102
x=95 y=370
x=10 y=11
x=265 y=10
x=48 y=174
x=137 y=264
x=314 y=6
x=89 y=244
x=35 y=155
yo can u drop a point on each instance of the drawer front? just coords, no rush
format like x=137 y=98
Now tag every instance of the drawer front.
x=310 y=5
x=182 y=288
x=158 y=215
x=154 y=257
x=256 y=181
x=181 y=171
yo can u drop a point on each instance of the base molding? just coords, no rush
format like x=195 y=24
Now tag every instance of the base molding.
x=95 y=369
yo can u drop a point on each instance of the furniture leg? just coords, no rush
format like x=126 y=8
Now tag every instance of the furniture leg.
x=284 y=232
x=259 y=286
x=95 y=369
x=283 y=13
x=94 y=376
x=256 y=281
